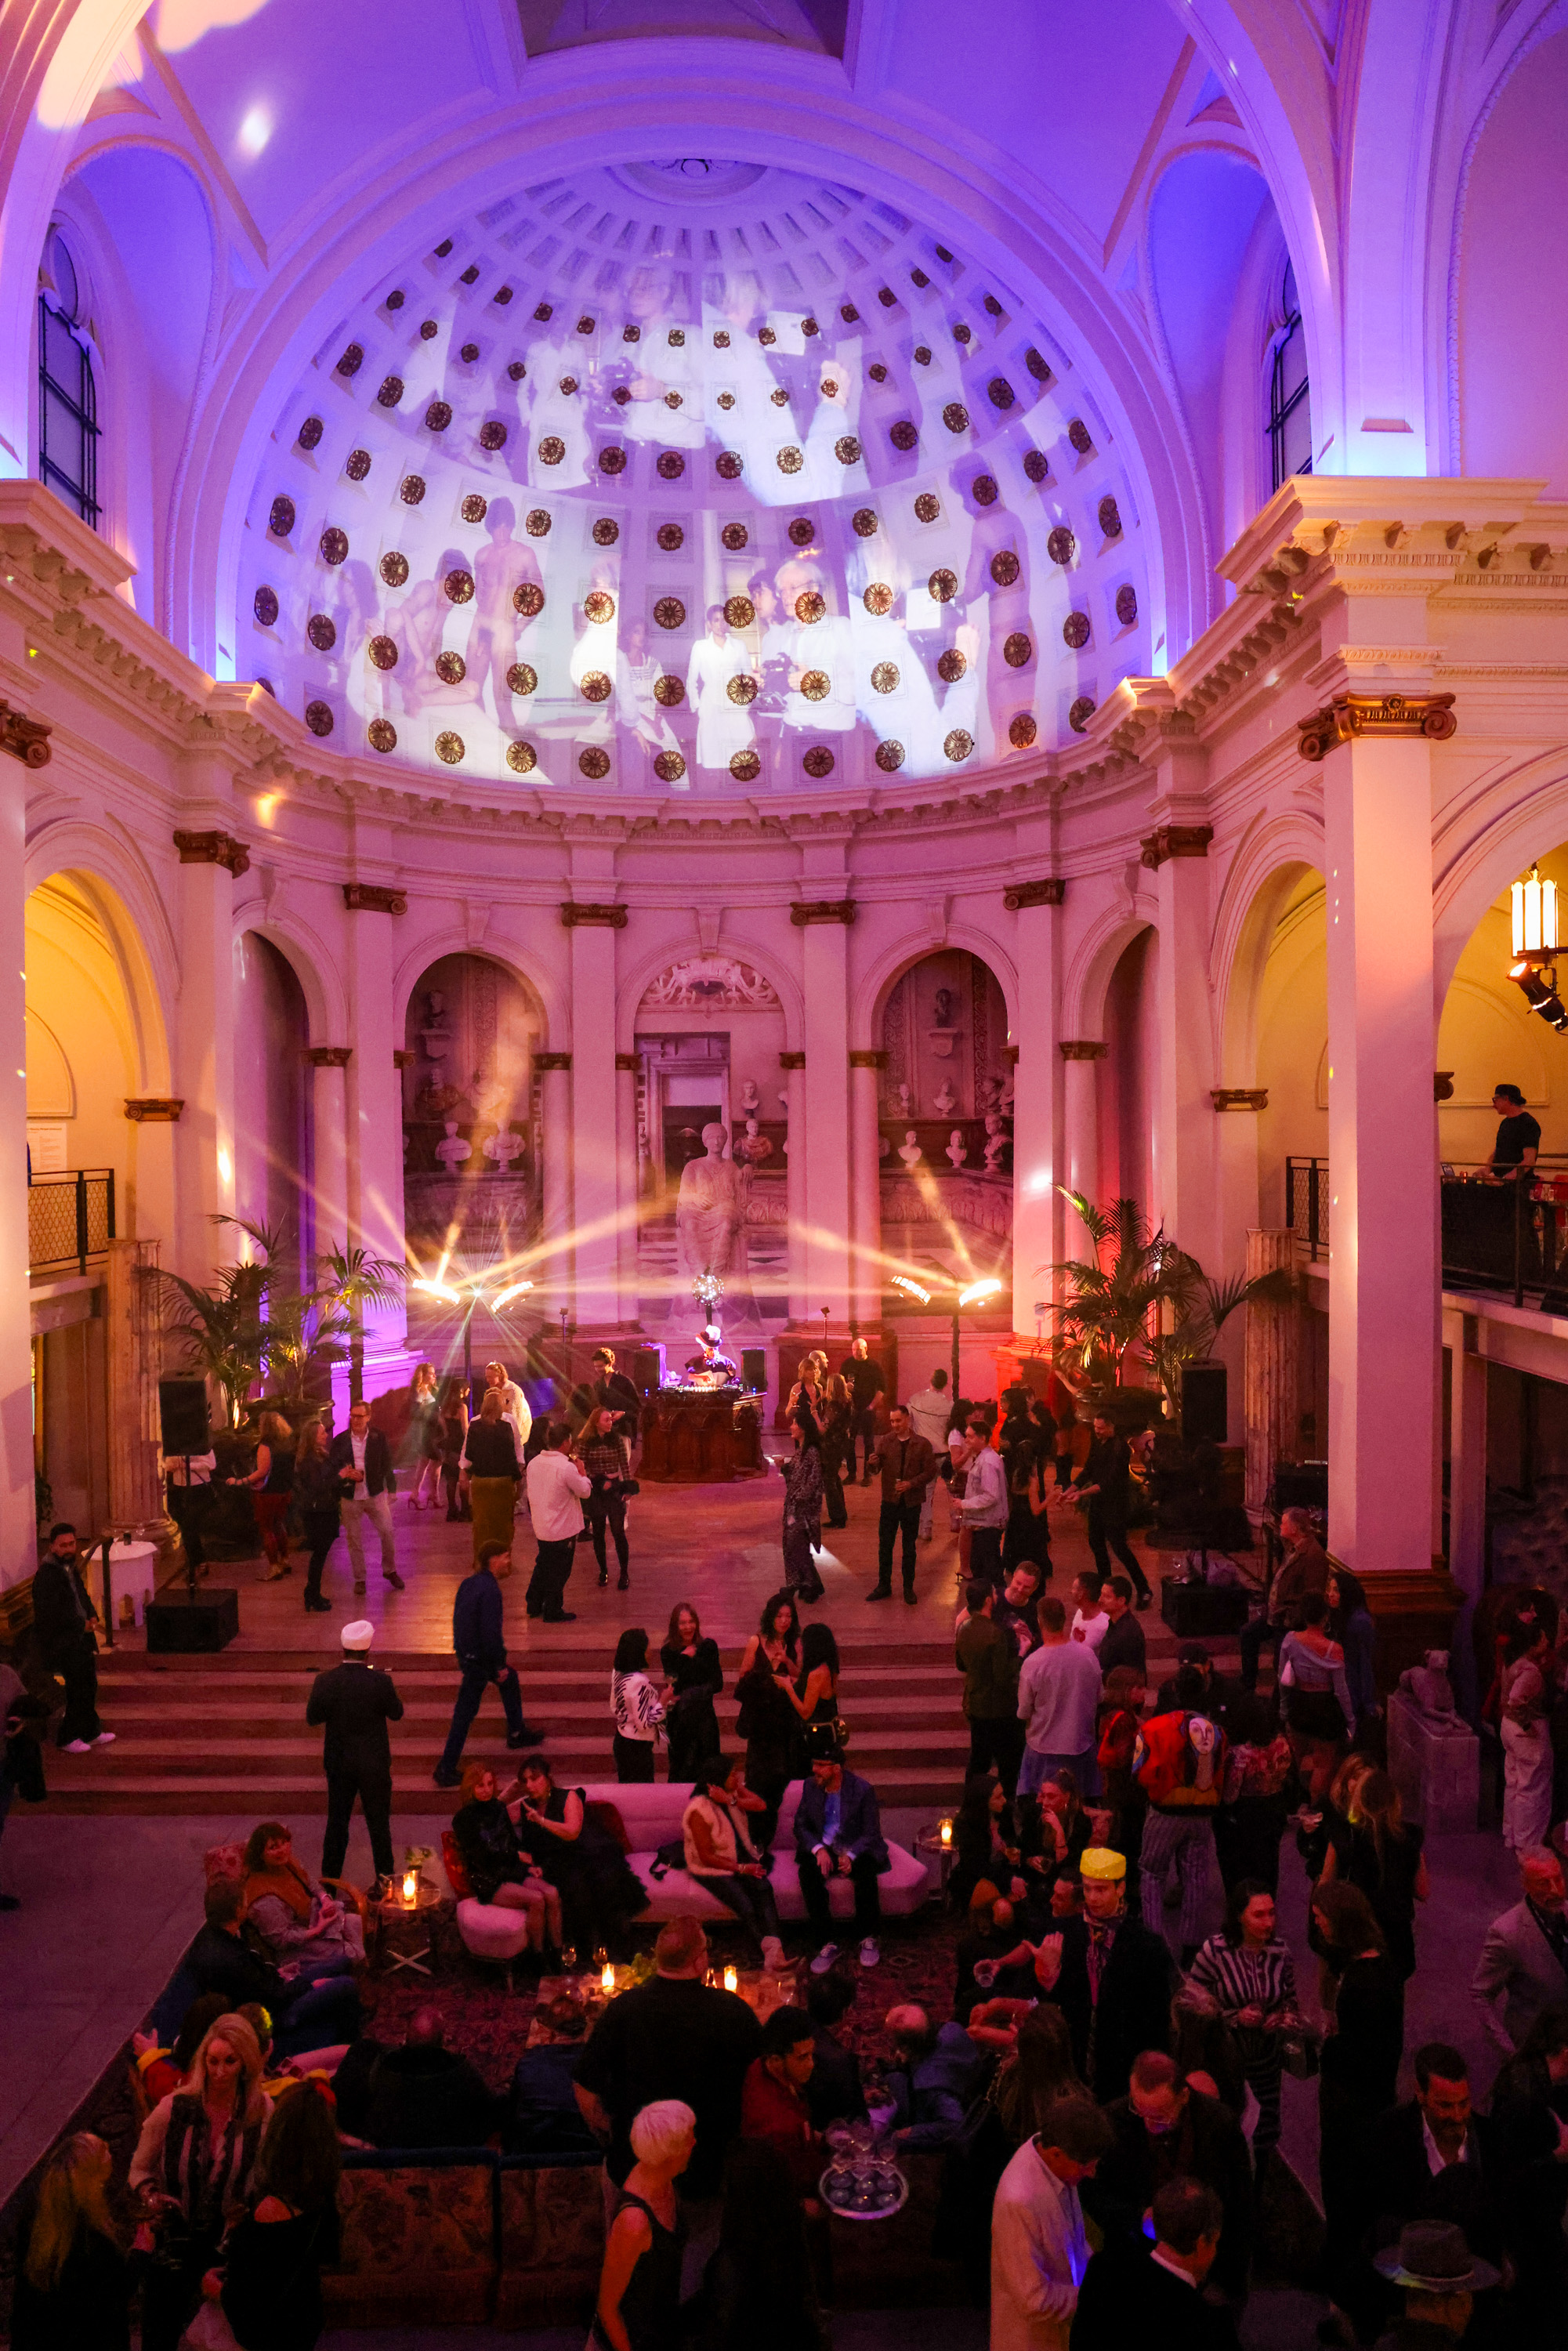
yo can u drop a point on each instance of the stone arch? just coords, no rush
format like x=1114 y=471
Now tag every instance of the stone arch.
x=1095 y=957
x=1265 y=869
x=869 y=1000
x=1523 y=813
x=110 y=869
x=544 y=986
x=319 y=982
x=638 y=980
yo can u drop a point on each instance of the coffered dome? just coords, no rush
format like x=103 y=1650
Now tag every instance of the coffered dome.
x=698 y=475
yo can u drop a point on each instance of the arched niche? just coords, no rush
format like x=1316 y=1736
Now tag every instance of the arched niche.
x=1279 y=1000
x=945 y=1125
x=709 y=1032
x=473 y=1132
x=1488 y=1035
x=274 y=1137
x=1129 y=1074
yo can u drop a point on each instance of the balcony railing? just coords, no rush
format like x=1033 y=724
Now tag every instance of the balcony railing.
x=1307 y=1204
x=70 y=1217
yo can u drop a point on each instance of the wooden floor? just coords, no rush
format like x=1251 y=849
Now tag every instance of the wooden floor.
x=214 y=1734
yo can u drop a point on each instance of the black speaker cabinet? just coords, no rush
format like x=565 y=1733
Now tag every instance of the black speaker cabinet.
x=1197 y=1611
x=191 y=1623
x=1203 y=1404
x=182 y=1415
x=754 y=1369
x=1300 y=1485
x=647 y=1369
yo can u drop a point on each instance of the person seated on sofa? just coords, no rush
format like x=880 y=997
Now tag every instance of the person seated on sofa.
x=310 y=2007
x=425 y=2095
x=720 y=1855
x=290 y=1914
x=498 y=1871
x=544 y=2119
x=837 y=1834
x=165 y=2070
x=933 y=2079
x=600 y=1891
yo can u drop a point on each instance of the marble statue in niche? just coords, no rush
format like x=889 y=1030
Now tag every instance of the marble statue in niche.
x=958 y=1149
x=753 y=1148
x=453 y=1152
x=505 y=1145
x=710 y=1210
x=909 y=1150
x=996 y=1142
x=947 y=1100
x=751 y=1100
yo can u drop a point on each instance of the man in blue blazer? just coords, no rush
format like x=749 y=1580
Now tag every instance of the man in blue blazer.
x=837 y=1834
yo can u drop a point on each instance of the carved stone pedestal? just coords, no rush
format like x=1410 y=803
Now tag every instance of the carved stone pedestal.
x=1437 y=1771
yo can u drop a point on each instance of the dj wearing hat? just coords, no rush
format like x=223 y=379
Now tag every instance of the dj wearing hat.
x=1108 y=1974
x=1441 y=2277
x=710 y=1369
x=354 y=1702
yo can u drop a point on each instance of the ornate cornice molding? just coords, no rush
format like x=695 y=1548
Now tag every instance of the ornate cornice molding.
x=372 y=898
x=1048 y=893
x=867 y=1057
x=1168 y=841
x=402 y=1057
x=791 y=1060
x=1239 y=1097
x=1081 y=1049
x=154 y=1109
x=545 y=1061
x=214 y=849
x=821 y=910
x=328 y=1057
x=630 y=1061
x=578 y=913
x=1386 y=718
x=26 y=738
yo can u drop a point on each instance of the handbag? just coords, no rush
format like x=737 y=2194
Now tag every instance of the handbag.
x=629 y=1485
x=841 y=1731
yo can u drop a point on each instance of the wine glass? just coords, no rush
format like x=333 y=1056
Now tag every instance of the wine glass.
x=569 y=1959
x=601 y=1959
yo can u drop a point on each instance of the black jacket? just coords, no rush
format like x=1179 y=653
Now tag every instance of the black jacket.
x=1134 y=2010
x=1401 y=2187
x=219 y=1961
x=1128 y=2299
x=1206 y=2145
x=355 y=1704
x=479 y=1630
x=379 y=1477
x=63 y=1615
x=427 y=2098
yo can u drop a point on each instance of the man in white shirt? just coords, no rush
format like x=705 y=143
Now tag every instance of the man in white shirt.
x=1090 y=1621
x=1058 y=1697
x=929 y=1411
x=984 y=1507
x=1039 y=2251
x=556 y=1487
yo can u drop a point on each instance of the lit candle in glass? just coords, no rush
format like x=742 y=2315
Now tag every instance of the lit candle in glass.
x=731 y=1979
x=945 y=1830
x=607 y=1980
x=411 y=1888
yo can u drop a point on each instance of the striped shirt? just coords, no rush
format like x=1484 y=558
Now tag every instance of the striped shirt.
x=1236 y=1977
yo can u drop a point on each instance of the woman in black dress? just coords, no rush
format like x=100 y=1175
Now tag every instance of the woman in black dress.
x=318 y=1493
x=600 y=1892
x=770 y=1722
x=73 y=2284
x=777 y=1641
x=696 y=1677
x=816 y=1686
x=1383 y=1856
x=453 y=1431
x=270 y=2275
x=498 y=1870
x=639 y=2305
x=1359 y=2067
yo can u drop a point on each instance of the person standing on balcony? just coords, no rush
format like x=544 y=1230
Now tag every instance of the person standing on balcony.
x=63 y=1619
x=1518 y=1137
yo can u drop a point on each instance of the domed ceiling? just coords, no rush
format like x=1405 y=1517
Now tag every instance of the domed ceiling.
x=698 y=476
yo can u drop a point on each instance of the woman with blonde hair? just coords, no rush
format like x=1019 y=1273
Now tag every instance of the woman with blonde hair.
x=271 y=1484
x=492 y=1466
x=72 y=2281
x=193 y=2169
x=640 y=2285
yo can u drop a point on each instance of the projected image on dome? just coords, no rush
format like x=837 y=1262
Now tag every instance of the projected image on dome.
x=712 y=480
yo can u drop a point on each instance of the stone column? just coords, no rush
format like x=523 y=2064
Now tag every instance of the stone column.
x=554 y=1270
x=626 y=1173
x=204 y=1042
x=1081 y=1126
x=1037 y=1169
x=19 y=1537
x=1186 y=1188
x=595 y=1179
x=1273 y=1374
x=1384 y=1266
x=374 y=1116
x=793 y=1066
x=825 y=973
x=329 y=1142
x=866 y=1273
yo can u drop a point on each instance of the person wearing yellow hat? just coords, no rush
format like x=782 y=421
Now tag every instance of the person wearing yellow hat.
x=1110 y=1976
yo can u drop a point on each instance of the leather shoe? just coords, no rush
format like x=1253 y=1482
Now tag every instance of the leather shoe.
x=446 y=1779
x=393 y=1578
x=561 y=1616
x=528 y=1737
x=880 y=1592
x=909 y=1600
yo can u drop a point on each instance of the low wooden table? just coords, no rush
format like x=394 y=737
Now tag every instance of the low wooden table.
x=407 y=1937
